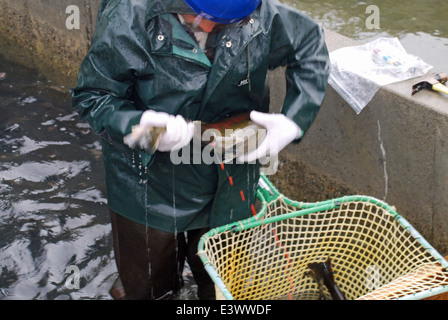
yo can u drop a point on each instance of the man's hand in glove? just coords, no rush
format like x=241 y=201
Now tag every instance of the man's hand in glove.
x=178 y=132
x=281 y=131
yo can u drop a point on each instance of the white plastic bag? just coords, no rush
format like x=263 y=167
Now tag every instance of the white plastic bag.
x=358 y=72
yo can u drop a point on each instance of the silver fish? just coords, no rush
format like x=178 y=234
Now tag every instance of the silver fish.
x=144 y=137
x=229 y=137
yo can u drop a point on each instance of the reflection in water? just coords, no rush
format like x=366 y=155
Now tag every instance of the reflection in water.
x=53 y=207
x=397 y=17
x=52 y=202
x=420 y=25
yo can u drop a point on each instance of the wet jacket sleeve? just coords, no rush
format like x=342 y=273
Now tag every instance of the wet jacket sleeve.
x=299 y=44
x=107 y=75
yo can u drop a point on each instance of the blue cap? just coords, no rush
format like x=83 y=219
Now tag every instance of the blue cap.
x=224 y=11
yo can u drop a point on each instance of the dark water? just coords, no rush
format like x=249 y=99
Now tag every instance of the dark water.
x=421 y=26
x=52 y=205
x=53 y=212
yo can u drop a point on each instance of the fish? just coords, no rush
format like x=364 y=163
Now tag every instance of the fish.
x=230 y=137
x=323 y=273
x=144 y=137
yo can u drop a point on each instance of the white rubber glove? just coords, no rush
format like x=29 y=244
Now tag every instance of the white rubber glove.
x=281 y=131
x=178 y=132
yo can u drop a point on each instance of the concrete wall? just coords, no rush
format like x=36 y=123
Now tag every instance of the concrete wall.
x=395 y=150
x=39 y=27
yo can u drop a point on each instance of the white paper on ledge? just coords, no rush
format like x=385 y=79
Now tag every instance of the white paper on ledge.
x=358 y=72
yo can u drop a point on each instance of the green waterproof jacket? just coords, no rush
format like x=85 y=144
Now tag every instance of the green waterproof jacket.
x=142 y=58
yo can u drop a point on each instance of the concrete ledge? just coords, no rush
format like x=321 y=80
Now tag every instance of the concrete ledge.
x=395 y=150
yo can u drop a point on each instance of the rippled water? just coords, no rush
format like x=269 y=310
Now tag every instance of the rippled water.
x=52 y=205
x=53 y=211
x=421 y=26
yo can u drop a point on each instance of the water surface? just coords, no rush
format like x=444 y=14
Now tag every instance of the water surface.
x=421 y=26
x=53 y=207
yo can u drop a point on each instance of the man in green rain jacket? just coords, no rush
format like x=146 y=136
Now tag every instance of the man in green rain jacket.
x=149 y=62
